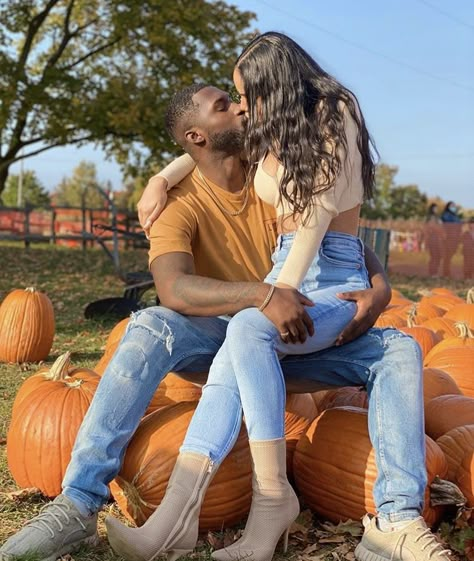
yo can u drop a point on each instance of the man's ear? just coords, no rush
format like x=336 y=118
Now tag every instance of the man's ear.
x=194 y=136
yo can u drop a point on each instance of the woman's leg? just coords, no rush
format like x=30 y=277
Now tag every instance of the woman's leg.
x=214 y=428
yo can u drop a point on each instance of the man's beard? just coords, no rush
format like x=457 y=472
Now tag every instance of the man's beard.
x=230 y=141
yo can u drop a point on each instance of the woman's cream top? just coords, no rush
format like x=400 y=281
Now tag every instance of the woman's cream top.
x=346 y=193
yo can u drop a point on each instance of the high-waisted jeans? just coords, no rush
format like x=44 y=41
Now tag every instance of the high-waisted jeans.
x=159 y=340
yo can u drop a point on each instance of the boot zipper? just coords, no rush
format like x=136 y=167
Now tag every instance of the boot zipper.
x=173 y=536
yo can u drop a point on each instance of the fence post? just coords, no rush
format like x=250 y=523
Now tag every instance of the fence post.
x=27 y=226
x=53 y=226
x=84 y=223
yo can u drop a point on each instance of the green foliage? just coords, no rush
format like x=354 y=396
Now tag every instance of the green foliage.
x=82 y=189
x=75 y=71
x=33 y=192
x=394 y=201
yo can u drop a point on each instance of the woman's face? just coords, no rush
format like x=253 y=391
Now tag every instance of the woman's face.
x=239 y=86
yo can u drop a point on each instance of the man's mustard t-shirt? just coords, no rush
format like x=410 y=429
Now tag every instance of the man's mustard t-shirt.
x=224 y=247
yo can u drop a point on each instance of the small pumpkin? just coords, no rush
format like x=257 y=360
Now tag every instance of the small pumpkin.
x=27 y=326
x=446 y=412
x=150 y=458
x=462 y=313
x=335 y=470
x=390 y=319
x=47 y=414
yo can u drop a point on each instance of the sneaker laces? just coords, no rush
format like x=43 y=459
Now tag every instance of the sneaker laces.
x=47 y=514
x=431 y=543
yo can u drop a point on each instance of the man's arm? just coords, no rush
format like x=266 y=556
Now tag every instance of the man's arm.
x=181 y=290
x=370 y=302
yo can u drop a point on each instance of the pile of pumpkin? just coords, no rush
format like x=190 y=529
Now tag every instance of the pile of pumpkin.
x=329 y=455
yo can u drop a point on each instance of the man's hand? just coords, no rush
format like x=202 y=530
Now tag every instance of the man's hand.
x=286 y=310
x=152 y=202
x=370 y=304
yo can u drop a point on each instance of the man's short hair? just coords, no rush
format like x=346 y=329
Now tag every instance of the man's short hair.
x=181 y=111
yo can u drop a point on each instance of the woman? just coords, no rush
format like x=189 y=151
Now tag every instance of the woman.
x=308 y=138
x=433 y=236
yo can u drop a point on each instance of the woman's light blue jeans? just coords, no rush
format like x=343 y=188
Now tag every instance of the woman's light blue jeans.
x=246 y=373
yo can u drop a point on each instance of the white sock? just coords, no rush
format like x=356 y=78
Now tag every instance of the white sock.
x=385 y=525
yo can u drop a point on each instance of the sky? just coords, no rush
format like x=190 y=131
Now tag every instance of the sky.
x=409 y=62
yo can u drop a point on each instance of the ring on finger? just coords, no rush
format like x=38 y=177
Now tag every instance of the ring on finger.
x=284 y=334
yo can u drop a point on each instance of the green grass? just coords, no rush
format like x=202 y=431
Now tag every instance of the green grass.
x=73 y=278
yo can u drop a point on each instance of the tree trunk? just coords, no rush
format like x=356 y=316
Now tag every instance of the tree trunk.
x=3 y=178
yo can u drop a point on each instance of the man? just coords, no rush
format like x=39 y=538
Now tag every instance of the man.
x=209 y=249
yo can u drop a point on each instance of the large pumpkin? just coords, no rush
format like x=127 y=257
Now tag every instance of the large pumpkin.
x=47 y=414
x=113 y=340
x=150 y=458
x=458 y=362
x=443 y=301
x=464 y=338
x=456 y=444
x=462 y=313
x=26 y=326
x=446 y=412
x=437 y=382
x=300 y=412
x=347 y=395
x=425 y=337
x=335 y=470
x=441 y=326
x=174 y=389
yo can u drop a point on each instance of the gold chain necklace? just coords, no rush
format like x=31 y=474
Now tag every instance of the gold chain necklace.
x=216 y=199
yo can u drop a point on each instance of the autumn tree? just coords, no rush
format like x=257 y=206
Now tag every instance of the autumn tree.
x=32 y=191
x=81 y=189
x=102 y=71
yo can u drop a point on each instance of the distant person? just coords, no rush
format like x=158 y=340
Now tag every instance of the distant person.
x=467 y=242
x=452 y=225
x=433 y=238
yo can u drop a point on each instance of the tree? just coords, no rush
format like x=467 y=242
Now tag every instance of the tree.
x=33 y=192
x=379 y=206
x=82 y=189
x=102 y=71
x=407 y=202
x=394 y=201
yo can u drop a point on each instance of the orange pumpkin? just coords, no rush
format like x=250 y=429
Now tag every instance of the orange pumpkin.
x=437 y=382
x=390 y=319
x=174 y=389
x=462 y=313
x=465 y=479
x=464 y=338
x=446 y=412
x=150 y=458
x=300 y=412
x=26 y=326
x=335 y=470
x=347 y=395
x=456 y=444
x=440 y=326
x=443 y=301
x=426 y=338
x=423 y=311
x=458 y=362
x=47 y=414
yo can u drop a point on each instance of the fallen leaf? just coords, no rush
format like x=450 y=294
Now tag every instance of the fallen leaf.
x=22 y=494
x=3 y=441
x=333 y=539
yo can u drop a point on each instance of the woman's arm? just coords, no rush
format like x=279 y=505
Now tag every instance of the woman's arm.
x=154 y=197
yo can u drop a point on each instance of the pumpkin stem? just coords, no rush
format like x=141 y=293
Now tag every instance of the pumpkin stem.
x=30 y=289
x=463 y=330
x=60 y=368
x=444 y=492
x=425 y=292
x=411 y=319
x=470 y=296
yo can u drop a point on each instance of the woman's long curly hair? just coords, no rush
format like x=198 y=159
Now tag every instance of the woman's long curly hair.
x=294 y=112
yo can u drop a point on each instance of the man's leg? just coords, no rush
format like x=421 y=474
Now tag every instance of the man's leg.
x=157 y=341
x=389 y=364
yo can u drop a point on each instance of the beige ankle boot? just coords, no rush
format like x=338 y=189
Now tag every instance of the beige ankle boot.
x=173 y=527
x=274 y=505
